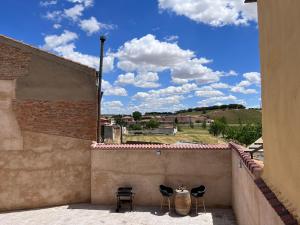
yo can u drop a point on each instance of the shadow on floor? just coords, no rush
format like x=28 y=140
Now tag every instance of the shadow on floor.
x=220 y=216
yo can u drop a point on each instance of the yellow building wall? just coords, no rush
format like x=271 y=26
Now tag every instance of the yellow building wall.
x=280 y=65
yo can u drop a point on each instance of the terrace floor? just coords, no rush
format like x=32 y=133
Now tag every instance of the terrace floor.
x=83 y=214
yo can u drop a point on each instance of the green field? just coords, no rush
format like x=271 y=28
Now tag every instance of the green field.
x=233 y=116
x=196 y=135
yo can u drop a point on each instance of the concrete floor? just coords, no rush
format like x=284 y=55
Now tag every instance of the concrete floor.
x=86 y=214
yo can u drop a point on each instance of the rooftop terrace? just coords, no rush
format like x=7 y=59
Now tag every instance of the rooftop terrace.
x=95 y=214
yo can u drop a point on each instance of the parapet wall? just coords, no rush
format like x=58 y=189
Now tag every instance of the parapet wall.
x=145 y=167
x=252 y=201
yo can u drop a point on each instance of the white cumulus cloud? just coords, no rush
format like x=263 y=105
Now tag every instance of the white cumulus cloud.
x=55 y=16
x=220 y=85
x=64 y=46
x=143 y=80
x=109 y=89
x=220 y=100
x=251 y=78
x=92 y=25
x=75 y=12
x=148 y=54
x=208 y=92
x=48 y=3
x=213 y=12
x=113 y=104
x=86 y=3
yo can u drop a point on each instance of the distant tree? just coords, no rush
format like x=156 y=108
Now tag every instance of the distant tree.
x=223 y=120
x=204 y=125
x=152 y=124
x=244 y=134
x=204 y=111
x=137 y=116
x=119 y=121
x=135 y=127
x=217 y=128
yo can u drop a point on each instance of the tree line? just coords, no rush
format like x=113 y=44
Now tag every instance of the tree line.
x=215 y=107
x=243 y=133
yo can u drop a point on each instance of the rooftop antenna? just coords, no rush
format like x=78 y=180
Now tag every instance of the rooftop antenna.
x=100 y=92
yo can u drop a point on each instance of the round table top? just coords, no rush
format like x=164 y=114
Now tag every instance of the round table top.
x=178 y=191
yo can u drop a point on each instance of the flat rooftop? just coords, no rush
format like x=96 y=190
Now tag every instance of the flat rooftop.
x=94 y=214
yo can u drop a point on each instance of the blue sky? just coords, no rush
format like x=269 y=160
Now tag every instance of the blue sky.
x=161 y=55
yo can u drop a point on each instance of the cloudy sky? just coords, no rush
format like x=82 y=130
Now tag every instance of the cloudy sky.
x=161 y=55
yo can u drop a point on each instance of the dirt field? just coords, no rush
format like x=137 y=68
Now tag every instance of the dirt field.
x=197 y=135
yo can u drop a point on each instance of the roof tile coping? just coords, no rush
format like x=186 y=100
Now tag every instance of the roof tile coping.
x=100 y=146
x=253 y=167
x=286 y=217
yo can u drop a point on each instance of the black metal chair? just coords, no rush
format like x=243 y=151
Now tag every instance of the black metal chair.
x=124 y=195
x=167 y=193
x=197 y=193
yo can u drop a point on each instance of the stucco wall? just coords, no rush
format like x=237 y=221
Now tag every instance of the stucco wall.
x=249 y=204
x=51 y=170
x=10 y=132
x=280 y=53
x=145 y=171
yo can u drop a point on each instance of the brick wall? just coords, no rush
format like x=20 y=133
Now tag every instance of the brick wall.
x=13 y=62
x=64 y=118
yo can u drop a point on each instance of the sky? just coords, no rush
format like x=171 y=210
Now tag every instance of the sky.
x=160 y=55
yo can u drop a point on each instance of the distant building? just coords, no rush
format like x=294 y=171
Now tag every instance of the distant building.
x=111 y=134
x=128 y=120
x=105 y=121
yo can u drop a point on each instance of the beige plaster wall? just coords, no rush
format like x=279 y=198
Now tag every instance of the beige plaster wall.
x=280 y=53
x=10 y=133
x=145 y=171
x=249 y=204
x=51 y=170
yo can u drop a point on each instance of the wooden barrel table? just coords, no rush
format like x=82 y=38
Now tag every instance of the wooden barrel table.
x=182 y=202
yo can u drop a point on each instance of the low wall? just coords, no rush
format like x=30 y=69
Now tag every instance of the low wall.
x=142 y=168
x=50 y=170
x=253 y=202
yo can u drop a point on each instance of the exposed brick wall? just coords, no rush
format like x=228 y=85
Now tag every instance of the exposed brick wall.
x=64 y=118
x=13 y=62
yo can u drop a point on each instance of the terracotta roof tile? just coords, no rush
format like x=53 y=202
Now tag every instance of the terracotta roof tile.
x=97 y=146
x=254 y=167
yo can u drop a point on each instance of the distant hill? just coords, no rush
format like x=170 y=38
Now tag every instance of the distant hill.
x=233 y=116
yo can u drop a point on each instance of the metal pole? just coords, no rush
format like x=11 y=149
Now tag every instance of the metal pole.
x=100 y=92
